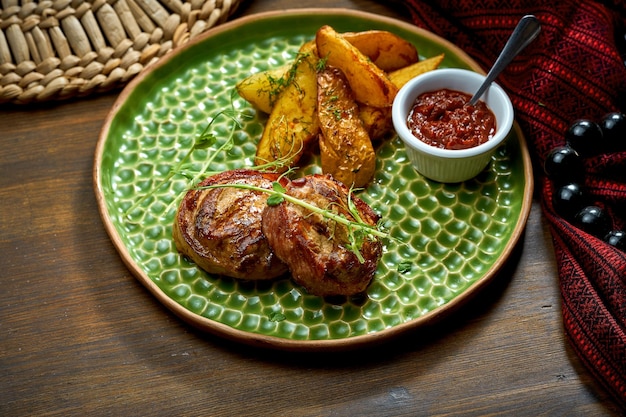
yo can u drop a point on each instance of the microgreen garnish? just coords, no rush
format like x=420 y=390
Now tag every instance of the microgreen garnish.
x=357 y=229
x=206 y=139
x=276 y=198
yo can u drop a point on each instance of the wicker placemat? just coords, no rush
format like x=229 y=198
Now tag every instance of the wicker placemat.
x=51 y=50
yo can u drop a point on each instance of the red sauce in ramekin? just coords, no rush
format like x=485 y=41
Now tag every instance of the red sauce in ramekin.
x=444 y=119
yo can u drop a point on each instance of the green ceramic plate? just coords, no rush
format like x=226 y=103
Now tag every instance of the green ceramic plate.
x=455 y=237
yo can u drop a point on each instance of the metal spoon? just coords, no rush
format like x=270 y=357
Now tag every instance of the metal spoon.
x=524 y=33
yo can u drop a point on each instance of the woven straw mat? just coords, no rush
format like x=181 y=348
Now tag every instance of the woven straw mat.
x=52 y=50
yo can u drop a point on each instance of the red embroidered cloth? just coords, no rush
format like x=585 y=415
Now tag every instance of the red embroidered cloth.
x=572 y=70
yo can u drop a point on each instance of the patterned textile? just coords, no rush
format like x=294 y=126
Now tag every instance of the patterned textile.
x=572 y=70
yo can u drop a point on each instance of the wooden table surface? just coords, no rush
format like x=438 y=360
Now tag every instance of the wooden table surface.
x=80 y=335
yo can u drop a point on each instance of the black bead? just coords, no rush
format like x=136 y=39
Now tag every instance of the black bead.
x=568 y=200
x=613 y=127
x=563 y=165
x=593 y=220
x=586 y=137
x=616 y=238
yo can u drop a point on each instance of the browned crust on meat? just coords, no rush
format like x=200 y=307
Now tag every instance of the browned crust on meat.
x=220 y=229
x=314 y=247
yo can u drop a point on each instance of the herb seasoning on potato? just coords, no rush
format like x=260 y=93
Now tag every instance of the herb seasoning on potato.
x=292 y=123
x=345 y=146
x=374 y=65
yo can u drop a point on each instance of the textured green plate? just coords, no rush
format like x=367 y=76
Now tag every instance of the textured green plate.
x=455 y=236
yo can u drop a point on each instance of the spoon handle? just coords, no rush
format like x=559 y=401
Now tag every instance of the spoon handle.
x=524 y=33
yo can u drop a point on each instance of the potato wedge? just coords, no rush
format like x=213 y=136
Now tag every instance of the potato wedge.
x=292 y=123
x=345 y=147
x=369 y=83
x=263 y=88
x=376 y=120
x=386 y=50
x=403 y=75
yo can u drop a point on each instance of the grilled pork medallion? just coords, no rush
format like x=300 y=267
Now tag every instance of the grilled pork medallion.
x=234 y=232
x=316 y=248
x=220 y=229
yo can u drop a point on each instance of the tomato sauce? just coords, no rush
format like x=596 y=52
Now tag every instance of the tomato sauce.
x=444 y=119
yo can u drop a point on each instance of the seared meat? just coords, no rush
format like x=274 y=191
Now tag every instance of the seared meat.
x=314 y=247
x=220 y=229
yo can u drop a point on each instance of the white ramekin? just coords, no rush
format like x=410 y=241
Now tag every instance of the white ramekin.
x=451 y=165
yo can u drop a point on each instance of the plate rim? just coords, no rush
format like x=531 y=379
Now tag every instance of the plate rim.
x=274 y=342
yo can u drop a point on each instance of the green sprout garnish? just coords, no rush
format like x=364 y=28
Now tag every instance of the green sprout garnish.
x=205 y=140
x=357 y=229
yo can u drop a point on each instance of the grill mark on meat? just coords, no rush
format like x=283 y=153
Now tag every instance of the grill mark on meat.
x=315 y=248
x=220 y=229
x=233 y=232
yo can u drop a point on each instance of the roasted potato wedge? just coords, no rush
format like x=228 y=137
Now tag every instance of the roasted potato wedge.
x=345 y=147
x=376 y=120
x=401 y=64
x=395 y=58
x=403 y=75
x=263 y=88
x=386 y=50
x=370 y=84
x=292 y=123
